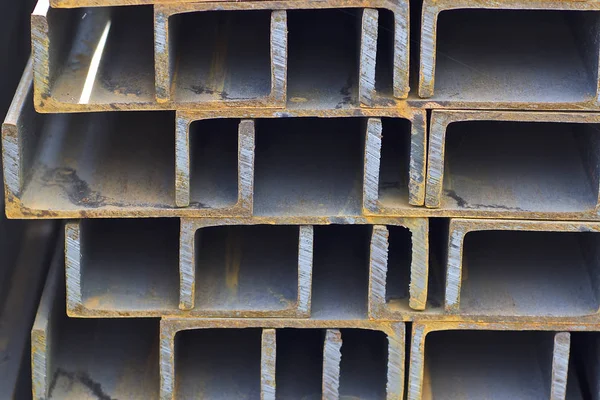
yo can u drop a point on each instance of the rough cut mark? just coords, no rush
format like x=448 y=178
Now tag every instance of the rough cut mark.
x=395 y=364
x=279 y=45
x=368 y=57
x=187 y=268
x=379 y=265
x=372 y=164
x=332 y=357
x=560 y=366
x=305 y=267
x=246 y=148
x=267 y=370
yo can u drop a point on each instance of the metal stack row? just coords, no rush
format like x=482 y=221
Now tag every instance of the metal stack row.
x=288 y=200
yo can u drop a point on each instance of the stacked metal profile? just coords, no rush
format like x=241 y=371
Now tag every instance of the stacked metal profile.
x=305 y=218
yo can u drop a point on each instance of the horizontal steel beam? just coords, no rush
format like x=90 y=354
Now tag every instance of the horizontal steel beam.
x=479 y=361
x=510 y=53
x=514 y=164
x=282 y=357
x=238 y=268
x=90 y=359
x=87 y=59
x=146 y=164
x=380 y=268
x=540 y=31
x=520 y=270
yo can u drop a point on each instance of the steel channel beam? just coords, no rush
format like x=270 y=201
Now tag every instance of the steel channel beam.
x=443 y=359
x=90 y=359
x=126 y=166
x=511 y=270
x=85 y=87
x=530 y=165
x=164 y=268
x=124 y=268
x=463 y=76
x=480 y=90
x=23 y=273
x=333 y=348
x=57 y=192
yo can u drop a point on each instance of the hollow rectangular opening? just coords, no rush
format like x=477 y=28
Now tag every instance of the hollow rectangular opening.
x=101 y=160
x=584 y=366
x=384 y=62
x=218 y=364
x=309 y=166
x=341 y=271
x=521 y=166
x=541 y=56
x=363 y=370
x=96 y=58
x=247 y=268
x=214 y=58
x=105 y=358
x=488 y=365
x=299 y=369
x=130 y=264
x=395 y=162
x=214 y=163
x=323 y=56
x=438 y=254
x=399 y=263
x=530 y=273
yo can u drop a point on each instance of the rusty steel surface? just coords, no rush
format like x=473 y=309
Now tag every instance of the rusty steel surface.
x=239 y=267
x=270 y=357
x=474 y=164
x=136 y=359
x=548 y=55
x=510 y=53
x=85 y=359
x=155 y=172
x=518 y=270
x=280 y=199
x=110 y=3
x=410 y=269
x=499 y=361
x=196 y=56
x=133 y=164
